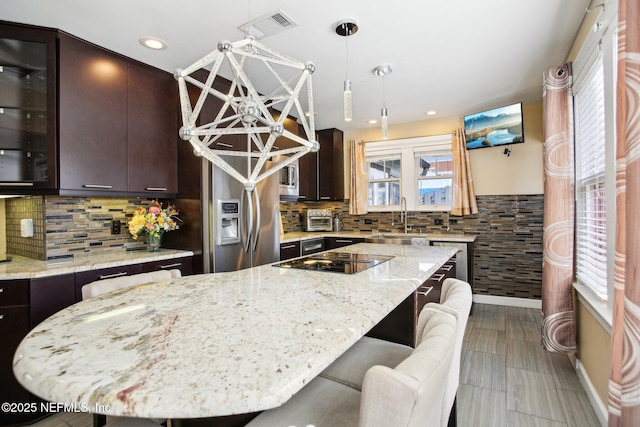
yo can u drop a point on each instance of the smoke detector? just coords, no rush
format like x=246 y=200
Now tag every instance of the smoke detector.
x=268 y=24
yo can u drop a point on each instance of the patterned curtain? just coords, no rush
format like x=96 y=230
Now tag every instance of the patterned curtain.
x=463 y=196
x=624 y=381
x=558 y=325
x=358 y=199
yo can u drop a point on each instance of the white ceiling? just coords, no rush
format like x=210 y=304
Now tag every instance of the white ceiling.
x=452 y=56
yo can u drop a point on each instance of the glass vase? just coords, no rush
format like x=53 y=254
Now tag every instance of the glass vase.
x=154 y=242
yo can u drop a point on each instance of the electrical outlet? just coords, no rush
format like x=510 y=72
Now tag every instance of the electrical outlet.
x=368 y=221
x=437 y=221
x=115 y=226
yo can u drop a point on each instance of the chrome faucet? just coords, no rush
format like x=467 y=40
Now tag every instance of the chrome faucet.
x=403 y=213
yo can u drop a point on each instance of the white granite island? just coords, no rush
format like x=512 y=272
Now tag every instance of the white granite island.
x=214 y=344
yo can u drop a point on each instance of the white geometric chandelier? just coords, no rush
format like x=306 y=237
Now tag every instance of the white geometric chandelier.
x=245 y=111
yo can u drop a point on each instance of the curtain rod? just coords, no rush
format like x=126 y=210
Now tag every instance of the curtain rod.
x=589 y=8
x=399 y=139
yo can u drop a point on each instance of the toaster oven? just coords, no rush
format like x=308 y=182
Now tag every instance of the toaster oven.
x=317 y=220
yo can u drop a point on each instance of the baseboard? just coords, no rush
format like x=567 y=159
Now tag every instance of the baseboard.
x=592 y=395
x=510 y=301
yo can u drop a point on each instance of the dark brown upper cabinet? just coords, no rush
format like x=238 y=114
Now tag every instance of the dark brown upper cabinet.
x=322 y=173
x=92 y=117
x=27 y=109
x=78 y=119
x=152 y=138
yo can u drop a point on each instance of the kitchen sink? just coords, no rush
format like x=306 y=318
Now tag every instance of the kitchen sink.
x=397 y=239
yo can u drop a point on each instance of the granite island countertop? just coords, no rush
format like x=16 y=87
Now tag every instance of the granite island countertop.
x=215 y=344
x=27 y=268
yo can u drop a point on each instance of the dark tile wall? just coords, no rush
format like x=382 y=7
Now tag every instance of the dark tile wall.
x=508 y=247
x=29 y=207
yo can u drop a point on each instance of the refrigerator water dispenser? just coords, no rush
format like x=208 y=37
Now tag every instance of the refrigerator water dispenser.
x=227 y=221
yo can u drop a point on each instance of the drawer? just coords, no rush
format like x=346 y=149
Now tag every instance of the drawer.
x=84 y=277
x=289 y=250
x=182 y=264
x=14 y=292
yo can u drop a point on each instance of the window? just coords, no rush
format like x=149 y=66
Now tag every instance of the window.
x=591 y=224
x=419 y=169
x=594 y=124
x=434 y=180
x=384 y=182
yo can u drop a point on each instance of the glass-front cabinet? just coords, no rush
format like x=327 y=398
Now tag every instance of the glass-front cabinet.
x=27 y=109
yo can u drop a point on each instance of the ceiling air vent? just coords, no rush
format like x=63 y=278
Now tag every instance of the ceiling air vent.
x=268 y=24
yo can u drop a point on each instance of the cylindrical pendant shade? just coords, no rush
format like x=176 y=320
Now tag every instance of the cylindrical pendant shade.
x=384 y=121
x=348 y=110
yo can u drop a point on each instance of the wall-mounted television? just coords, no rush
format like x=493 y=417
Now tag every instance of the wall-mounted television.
x=493 y=128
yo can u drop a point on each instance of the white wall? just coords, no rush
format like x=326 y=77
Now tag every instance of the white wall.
x=493 y=172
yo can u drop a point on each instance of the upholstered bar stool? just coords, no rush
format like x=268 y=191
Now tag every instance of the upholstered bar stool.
x=350 y=368
x=410 y=395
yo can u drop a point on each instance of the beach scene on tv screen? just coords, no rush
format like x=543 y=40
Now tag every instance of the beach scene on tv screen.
x=499 y=126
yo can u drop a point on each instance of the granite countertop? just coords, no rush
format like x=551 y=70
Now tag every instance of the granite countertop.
x=27 y=268
x=436 y=237
x=214 y=344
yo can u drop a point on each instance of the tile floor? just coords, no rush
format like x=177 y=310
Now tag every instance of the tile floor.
x=506 y=380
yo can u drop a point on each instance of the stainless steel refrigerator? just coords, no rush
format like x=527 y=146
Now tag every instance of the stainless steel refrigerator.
x=243 y=230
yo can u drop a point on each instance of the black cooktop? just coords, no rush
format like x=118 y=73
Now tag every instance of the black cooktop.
x=337 y=262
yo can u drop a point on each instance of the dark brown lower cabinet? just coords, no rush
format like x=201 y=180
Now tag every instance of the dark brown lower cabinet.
x=400 y=325
x=339 y=242
x=289 y=250
x=14 y=325
x=183 y=264
x=84 y=277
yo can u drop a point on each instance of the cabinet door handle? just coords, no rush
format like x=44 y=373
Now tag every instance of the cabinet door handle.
x=302 y=197
x=110 y=276
x=325 y=197
x=103 y=187
x=17 y=184
x=288 y=247
x=436 y=278
x=177 y=264
x=425 y=291
x=343 y=241
x=156 y=189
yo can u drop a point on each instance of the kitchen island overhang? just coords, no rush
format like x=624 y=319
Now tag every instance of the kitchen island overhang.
x=215 y=344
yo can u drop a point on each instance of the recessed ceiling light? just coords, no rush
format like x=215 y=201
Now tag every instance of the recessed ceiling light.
x=372 y=122
x=153 y=43
x=431 y=113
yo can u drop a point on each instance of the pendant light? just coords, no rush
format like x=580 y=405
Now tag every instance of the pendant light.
x=383 y=70
x=346 y=28
x=244 y=111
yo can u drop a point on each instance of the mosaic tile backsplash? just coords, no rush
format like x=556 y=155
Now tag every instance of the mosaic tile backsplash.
x=81 y=226
x=508 y=247
x=18 y=208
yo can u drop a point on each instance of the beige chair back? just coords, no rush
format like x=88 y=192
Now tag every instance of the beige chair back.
x=455 y=298
x=100 y=287
x=412 y=394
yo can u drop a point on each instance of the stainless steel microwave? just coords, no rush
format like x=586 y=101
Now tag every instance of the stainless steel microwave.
x=289 y=181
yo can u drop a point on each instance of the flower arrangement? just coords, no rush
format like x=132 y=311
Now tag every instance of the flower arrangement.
x=153 y=221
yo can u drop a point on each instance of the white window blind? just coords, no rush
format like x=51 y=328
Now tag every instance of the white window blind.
x=591 y=226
